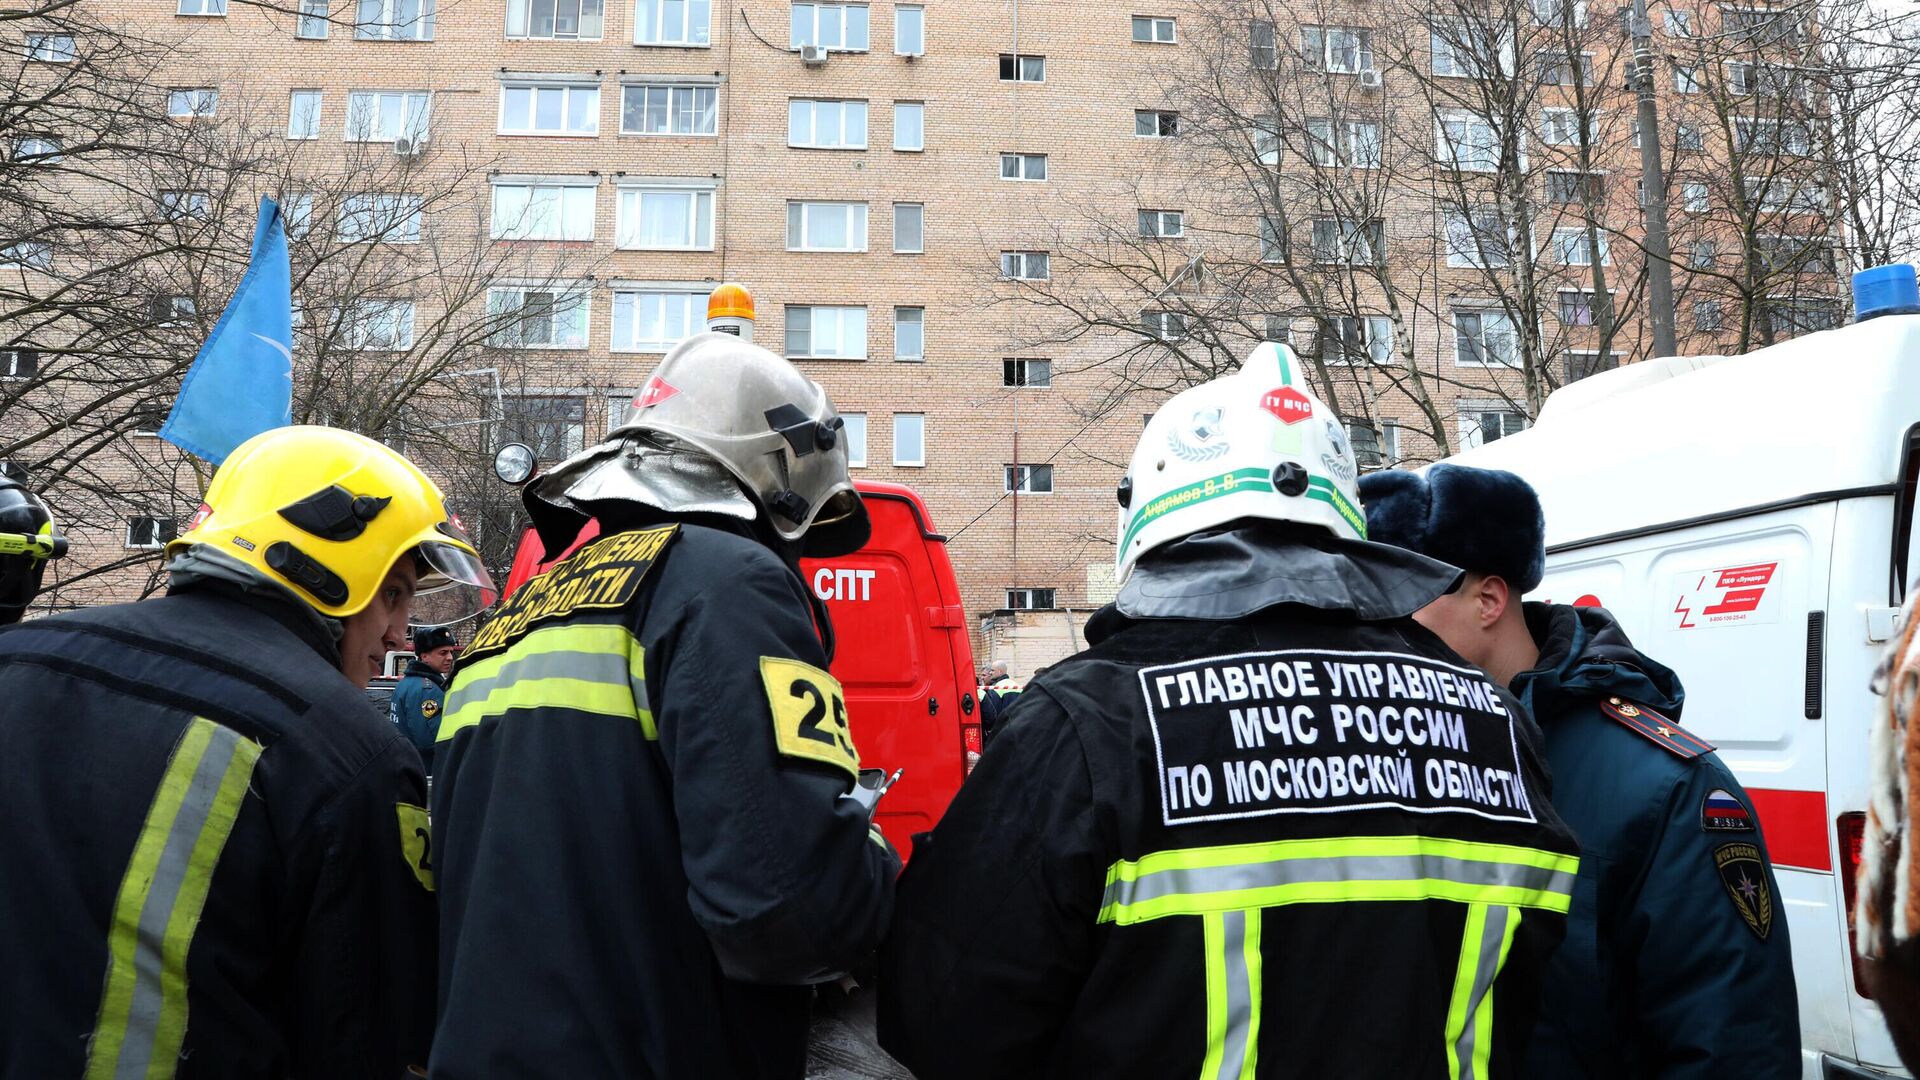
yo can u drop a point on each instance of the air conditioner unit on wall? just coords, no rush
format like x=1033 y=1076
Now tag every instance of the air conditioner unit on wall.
x=1370 y=79
x=405 y=147
x=813 y=55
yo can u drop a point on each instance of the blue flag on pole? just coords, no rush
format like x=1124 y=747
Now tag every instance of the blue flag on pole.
x=241 y=383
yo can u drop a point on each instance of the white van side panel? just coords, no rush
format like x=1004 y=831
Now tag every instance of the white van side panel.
x=1725 y=605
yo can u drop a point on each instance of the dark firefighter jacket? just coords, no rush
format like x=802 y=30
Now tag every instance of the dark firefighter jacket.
x=641 y=842
x=1294 y=843
x=416 y=705
x=210 y=848
x=1676 y=963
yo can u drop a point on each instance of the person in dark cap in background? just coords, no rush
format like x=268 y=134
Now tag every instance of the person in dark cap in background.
x=1676 y=962
x=415 y=705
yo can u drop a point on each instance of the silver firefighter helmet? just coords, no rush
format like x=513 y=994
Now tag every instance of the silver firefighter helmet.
x=716 y=400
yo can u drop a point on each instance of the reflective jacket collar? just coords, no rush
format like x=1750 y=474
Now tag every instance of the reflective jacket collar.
x=1584 y=654
x=1246 y=568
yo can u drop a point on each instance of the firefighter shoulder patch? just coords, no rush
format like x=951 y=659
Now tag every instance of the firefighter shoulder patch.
x=809 y=714
x=602 y=576
x=416 y=841
x=1656 y=728
x=1743 y=870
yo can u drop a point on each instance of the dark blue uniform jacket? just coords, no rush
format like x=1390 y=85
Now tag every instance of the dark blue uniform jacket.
x=1663 y=973
x=415 y=707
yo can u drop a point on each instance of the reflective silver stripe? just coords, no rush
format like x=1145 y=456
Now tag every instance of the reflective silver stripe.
x=1493 y=935
x=599 y=667
x=1233 y=1058
x=1343 y=868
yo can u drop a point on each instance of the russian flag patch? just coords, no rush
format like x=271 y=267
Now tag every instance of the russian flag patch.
x=1721 y=812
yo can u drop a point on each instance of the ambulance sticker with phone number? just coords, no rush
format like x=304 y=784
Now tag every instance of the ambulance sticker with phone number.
x=809 y=714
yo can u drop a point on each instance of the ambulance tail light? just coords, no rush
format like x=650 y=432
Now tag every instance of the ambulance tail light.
x=1851 y=829
x=970 y=744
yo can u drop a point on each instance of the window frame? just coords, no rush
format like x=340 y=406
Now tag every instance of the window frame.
x=670 y=110
x=51 y=47
x=560 y=187
x=533 y=90
x=919 y=109
x=1375 y=333
x=1017 y=373
x=1015 y=264
x=1481 y=313
x=1320 y=56
x=1447 y=152
x=813 y=113
x=920 y=211
x=404 y=225
x=1157 y=116
x=422 y=24
x=1159 y=219
x=629 y=298
x=812 y=310
x=380 y=97
x=919 y=320
x=797 y=240
x=208 y=94
x=1153 y=23
x=639 y=193
x=1560 y=250
x=579 y=19
x=1372 y=231
x=817 y=7
x=1026 y=475
x=156 y=527
x=577 y=298
x=1473 y=434
x=1021 y=161
x=856 y=444
x=920 y=12
x=351 y=335
x=206 y=6
x=703 y=40
x=1017 y=63
x=913 y=463
x=1032 y=599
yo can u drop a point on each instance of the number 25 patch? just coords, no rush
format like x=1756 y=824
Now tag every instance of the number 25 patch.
x=809 y=714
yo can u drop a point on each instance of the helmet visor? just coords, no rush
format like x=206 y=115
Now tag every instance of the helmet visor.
x=454 y=584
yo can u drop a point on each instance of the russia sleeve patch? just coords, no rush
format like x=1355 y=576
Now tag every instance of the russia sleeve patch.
x=1722 y=812
x=809 y=714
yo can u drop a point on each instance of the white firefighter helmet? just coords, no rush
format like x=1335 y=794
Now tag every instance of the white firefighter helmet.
x=1254 y=444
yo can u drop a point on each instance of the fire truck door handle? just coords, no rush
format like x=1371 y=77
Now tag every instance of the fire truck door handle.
x=933 y=706
x=966 y=704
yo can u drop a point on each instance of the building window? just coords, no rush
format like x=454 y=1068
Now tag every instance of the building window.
x=303 y=114
x=1153 y=30
x=312 y=22
x=1468 y=141
x=1707 y=316
x=827 y=125
x=909 y=228
x=665 y=219
x=185 y=205
x=1794 y=254
x=1273 y=241
x=1028 y=479
x=192 y=103
x=1576 y=308
x=909 y=439
x=1470 y=50
x=1351 y=144
x=1030 y=599
x=1484 y=338
x=27 y=255
x=561 y=20
x=1702 y=255
x=1366 y=339
x=819 y=332
x=1573 y=188
x=855 y=434
x=1771 y=137
x=59 y=49
x=1476 y=238
x=1773 y=193
x=1582 y=363
x=910 y=334
x=1169 y=326
x=1266 y=140
x=1277 y=328
x=1787 y=318
x=1762 y=26
x=909 y=30
x=826 y=226
x=1482 y=425
x=538 y=318
x=1555 y=70
x=1023 y=166
x=543 y=211
x=1686 y=80
x=1559 y=12
x=1366 y=442
x=549 y=110
x=1023 y=372
x=19 y=363
x=1351 y=243
x=377 y=325
x=202 y=7
x=1156 y=123
x=1694 y=198
x=376 y=218
x=1019 y=67
x=1679 y=24
x=36 y=149
x=394 y=20
x=837 y=27
x=909 y=126
x=388 y=116
x=1561 y=127
x=673 y=22
x=646 y=320
x=554 y=427
x=668 y=110
x=1687 y=137
x=1574 y=247
x=1026 y=265
x=151 y=533
x=1263 y=44
x=1162 y=223
x=1342 y=50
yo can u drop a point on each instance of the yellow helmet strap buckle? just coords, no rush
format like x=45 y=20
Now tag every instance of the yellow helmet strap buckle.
x=307 y=572
x=334 y=513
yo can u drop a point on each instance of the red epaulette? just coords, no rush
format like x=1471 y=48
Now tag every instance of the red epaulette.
x=1667 y=734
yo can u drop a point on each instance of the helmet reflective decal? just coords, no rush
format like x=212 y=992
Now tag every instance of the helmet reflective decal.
x=656 y=391
x=1202 y=439
x=1290 y=405
x=1340 y=461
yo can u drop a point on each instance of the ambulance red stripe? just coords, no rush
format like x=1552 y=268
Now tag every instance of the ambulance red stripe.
x=1795 y=826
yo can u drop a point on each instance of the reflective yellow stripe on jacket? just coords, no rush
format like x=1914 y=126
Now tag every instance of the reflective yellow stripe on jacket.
x=143 y=1004
x=1229 y=887
x=587 y=667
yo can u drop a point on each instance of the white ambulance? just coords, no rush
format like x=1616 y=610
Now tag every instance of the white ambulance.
x=1750 y=520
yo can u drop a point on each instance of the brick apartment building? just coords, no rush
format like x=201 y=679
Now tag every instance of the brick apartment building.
x=910 y=190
